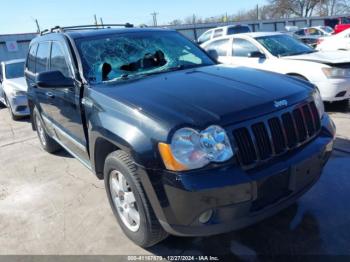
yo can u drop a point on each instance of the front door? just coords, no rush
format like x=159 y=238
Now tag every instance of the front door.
x=65 y=111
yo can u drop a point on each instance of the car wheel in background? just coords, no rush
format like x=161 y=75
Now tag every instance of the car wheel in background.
x=129 y=201
x=47 y=143
x=343 y=105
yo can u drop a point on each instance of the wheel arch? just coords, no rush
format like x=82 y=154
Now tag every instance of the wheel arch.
x=297 y=75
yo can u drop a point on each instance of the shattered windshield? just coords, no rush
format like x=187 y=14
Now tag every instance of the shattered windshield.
x=123 y=56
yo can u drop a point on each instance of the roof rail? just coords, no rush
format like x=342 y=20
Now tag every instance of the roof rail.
x=83 y=27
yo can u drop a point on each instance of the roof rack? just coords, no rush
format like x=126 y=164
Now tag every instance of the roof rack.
x=57 y=29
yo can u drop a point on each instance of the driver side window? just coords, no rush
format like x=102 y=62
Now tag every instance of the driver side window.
x=58 y=61
x=243 y=47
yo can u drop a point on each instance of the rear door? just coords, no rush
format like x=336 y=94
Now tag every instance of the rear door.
x=222 y=47
x=41 y=65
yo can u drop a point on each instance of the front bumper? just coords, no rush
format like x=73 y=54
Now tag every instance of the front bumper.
x=237 y=198
x=334 y=89
x=19 y=105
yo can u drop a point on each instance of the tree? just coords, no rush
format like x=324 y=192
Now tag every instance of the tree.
x=176 y=22
x=301 y=8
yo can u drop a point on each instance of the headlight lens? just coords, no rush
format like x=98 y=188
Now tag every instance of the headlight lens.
x=190 y=149
x=216 y=144
x=319 y=103
x=333 y=72
x=187 y=150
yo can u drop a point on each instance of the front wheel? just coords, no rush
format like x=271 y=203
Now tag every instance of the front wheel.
x=47 y=143
x=129 y=202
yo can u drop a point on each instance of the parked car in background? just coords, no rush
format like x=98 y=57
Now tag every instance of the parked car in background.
x=13 y=88
x=315 y=31
x=339 y=24
x=222 y=31
x=311 y=35
x=185 y=146
x=281 y=53
x=339 y=41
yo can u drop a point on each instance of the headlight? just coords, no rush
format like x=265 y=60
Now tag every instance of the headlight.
x=333 y=72
x=190 y=149
x=318 y=102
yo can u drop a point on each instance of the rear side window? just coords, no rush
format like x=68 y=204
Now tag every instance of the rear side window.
x=58 y=60
x=238 y=30
x=300 y=32
x=205 y=37
x=218 y=32
x=221 y=46
x=31 y=58
x=42 y=57
x=243 y=47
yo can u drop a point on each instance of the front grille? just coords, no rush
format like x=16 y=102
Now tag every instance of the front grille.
x=263 y=140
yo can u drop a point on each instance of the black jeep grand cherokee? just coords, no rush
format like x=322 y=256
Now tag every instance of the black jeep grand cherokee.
x=185 y=146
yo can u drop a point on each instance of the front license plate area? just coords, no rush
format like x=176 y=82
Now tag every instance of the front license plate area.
x=305 y=173
x=271 y=190
x=274 y=188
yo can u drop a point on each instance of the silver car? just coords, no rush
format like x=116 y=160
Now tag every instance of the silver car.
x=13 y=88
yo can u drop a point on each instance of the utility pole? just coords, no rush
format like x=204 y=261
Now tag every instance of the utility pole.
x=101 y=22
x=37 y=25
x=95 y=18
x=257 y=12
x=154 y=15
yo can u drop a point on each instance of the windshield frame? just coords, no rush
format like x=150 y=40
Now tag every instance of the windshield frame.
x=80 y=56
x=13 y=64
x=308 y=49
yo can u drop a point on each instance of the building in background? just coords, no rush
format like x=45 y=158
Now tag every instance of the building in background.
x=14 y=46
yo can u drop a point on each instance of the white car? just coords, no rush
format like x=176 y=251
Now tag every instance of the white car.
x=340 y=41
x=281 y=53
x=222 y=31
x=317 y=31
x=13 y=88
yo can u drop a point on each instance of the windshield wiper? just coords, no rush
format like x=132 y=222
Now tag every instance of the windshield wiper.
x=126 y=77
x=299 y=53
x=170 y=69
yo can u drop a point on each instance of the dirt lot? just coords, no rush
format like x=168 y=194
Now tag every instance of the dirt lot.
x=51 y=204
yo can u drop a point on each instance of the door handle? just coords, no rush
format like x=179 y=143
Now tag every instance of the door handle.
x=49 y=94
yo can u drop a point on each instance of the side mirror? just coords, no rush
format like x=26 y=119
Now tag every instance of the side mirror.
x=257 y=54
x=213 y=54
x=53 y=79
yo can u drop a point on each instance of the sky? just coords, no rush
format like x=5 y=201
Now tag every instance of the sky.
x=18 y=16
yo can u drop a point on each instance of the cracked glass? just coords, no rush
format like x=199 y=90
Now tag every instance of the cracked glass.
x=120 y=56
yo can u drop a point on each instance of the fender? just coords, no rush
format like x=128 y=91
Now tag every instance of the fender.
x=114 y=123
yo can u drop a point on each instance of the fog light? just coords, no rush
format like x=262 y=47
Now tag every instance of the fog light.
x=206 y=216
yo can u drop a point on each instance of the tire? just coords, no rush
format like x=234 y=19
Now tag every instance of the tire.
x=148 y=231
x=343 y=104
x=47 y=143
x=13 y=116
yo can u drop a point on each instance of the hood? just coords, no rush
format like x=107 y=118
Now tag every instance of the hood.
x=325 y=57
x=18 y=83
x=208 y=95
